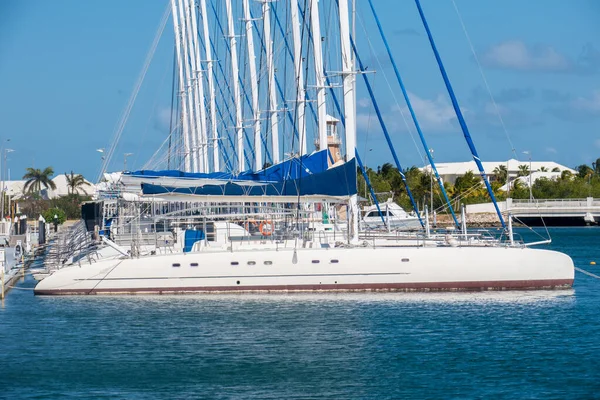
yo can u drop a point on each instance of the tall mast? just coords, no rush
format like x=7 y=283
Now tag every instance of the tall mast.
x=266 y=10
x=236 y=87
x=349 y=106
x=199 y=77
x=184 y=111
x=253 y=87
x=197 y=85
x=319 y=73
x=188 y=91
x=300 y=97
x=211 y=87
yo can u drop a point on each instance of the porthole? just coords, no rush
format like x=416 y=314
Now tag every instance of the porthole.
x=315 y=261
x=335 y=261
x=235 y=263
x=193 y=264
x=238 y=282
x=405 y=260
x=251 y=262
x=268 y=262
x=176 y=265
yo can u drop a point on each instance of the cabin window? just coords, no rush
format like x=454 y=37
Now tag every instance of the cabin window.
x=193 y=264
x=315 y=261
x=335 y=261
x=251 y=262
x=405 y=260
x=235 y=263
x=176 y=265
x=268 y=262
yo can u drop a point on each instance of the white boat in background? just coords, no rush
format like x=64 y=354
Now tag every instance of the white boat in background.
x=391 y=217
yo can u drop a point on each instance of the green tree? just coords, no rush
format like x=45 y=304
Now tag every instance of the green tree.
x=523 y=170
x=543 y=169
x=584 y=171
x=596 y=166
x=555 y=169
x=75 y=183
x=36 y=178
x=50 y=213
x=501 y=173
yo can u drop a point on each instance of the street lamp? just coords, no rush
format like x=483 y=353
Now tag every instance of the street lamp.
x=530 y=173
x=55 y=223
x=125 y=160
x=3 y=173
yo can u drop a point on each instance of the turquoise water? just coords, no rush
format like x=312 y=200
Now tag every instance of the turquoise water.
x=527 y=345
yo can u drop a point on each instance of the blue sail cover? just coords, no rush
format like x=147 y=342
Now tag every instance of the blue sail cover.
x=293 y=168
x=337 y=181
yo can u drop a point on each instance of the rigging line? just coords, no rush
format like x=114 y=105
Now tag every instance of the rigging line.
x=310 y=40
x=125 y=116
x=404 y=119
x=173 y=96
x=385 y=132
x=413 y=115
x=152 y=161
x=285 y=77
x=261 y=75
x=485 y=81
x=303 y=22
x=142 y=137
x=343 y=120
x=459 y=115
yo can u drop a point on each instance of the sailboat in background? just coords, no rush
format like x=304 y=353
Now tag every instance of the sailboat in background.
x=223 y=223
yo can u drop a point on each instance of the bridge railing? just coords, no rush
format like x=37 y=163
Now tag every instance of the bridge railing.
x=553 y=203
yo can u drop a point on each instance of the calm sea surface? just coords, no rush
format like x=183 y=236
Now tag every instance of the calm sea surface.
x=525 y=345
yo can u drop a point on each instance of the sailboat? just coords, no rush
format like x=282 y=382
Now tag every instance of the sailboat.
x=292 y=226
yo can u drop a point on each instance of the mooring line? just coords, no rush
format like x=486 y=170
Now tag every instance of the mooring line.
x=583 y=271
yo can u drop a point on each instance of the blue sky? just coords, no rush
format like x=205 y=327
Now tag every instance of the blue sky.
x=67 y=69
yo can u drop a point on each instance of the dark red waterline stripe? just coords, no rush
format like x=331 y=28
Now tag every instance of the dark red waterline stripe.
x=426 y=286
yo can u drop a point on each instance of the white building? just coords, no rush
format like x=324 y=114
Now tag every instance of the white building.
x=14 y=189
x=450 y=171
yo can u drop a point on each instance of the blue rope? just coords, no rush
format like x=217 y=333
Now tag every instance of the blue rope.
x=459 y=115
x=413 y=115
x=364 y=174
x=386 y=133
x=245 y=135
x=360 y=164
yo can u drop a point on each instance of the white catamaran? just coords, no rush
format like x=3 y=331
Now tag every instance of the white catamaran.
x=289 y=223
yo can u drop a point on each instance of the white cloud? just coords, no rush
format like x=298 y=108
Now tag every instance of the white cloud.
x=514 y=54
x=163 y=119
x=364 y=102
x=436 y=114
x=551 y=150
x=588 y=104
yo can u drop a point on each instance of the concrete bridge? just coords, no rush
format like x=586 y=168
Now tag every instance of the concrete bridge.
x=551 y=212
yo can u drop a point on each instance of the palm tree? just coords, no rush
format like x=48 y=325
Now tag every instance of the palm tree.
x=543 y=169
x=36 y=178
x=75 y=183
x=501 y=173
x=523 y=170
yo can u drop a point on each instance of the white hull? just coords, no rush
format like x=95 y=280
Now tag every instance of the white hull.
x=334 y=269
